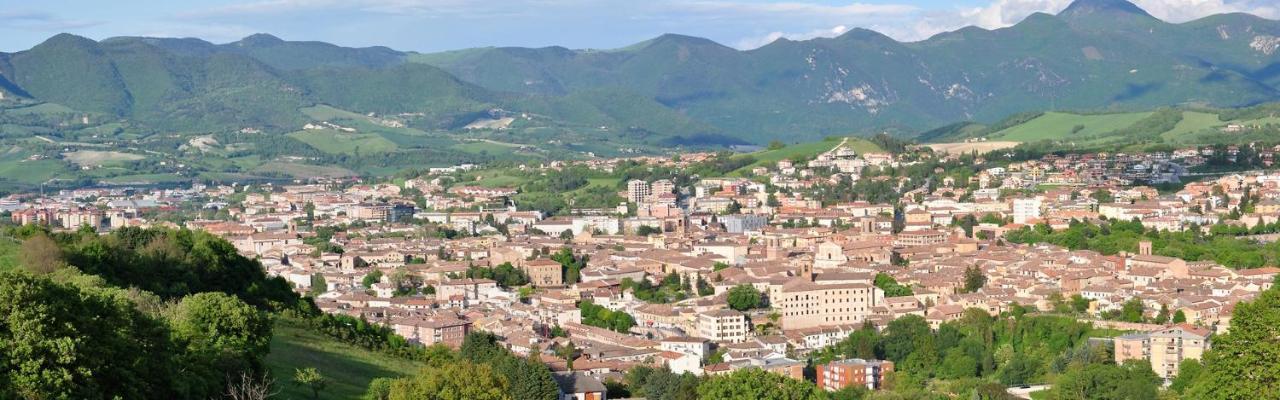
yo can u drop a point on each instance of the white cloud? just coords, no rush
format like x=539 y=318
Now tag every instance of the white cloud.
x=756 y=42
x=1004 y=13
x=40 y=21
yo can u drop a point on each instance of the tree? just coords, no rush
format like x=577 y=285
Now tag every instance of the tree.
x=1179 y=317
x=569 y=352
x=744 y=297
x=63 y=342
x=1079 y=304
x=1131 y=310
x=1188 y=372
x=1244 y=363
x=756 y=383
x=1133 y=380
x=528 y=378
x=318 y=285
x=40 y=254
x=646 y=230
x=223 y=327
x=776 y=145
x=973 y=279
x=453 y=381
x=248 y=387
x=890 y=286
x=310 y=378
x=957 y=365
x=371 y=278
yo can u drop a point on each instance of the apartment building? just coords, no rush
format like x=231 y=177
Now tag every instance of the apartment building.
x=637 y=191
x=723 y=326
x=1165 y=348
x=838 y=375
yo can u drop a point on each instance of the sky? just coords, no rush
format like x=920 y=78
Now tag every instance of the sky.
x=438 y=25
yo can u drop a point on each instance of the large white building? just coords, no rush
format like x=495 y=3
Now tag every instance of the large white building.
x=637 y=190
x=1026 y=209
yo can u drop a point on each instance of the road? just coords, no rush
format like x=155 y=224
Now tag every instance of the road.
x=1024 y=392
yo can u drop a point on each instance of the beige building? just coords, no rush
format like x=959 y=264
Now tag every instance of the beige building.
x=723 y=326
x=543 y=272
x=1165 y=348
x=805 y=304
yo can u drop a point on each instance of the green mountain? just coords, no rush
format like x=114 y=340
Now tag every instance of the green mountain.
x=1095 y=55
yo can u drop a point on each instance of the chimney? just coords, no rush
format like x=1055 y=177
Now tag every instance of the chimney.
x=1144 y=247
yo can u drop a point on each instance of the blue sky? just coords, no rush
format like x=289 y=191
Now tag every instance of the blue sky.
x=436 y=25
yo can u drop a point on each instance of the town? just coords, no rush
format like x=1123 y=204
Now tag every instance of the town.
x=770 y=266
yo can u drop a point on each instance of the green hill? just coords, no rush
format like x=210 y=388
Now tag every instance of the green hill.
x=348 y=369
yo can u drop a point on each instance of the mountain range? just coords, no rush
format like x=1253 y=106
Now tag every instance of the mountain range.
x=1096 y=55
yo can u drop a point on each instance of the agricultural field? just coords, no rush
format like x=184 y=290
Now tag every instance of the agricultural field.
x=349 y=369
x=31 y=172
x=967 y=147
x=93 y=158
x=1060 y=126
x=1193 y=122
x=339 y=142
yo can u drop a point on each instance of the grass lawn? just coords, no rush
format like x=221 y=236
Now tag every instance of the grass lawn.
x=8 y=254
x=1192 y=122
x=30 y=172
x=1057 y=125
x=337 y=142
x=348 y=368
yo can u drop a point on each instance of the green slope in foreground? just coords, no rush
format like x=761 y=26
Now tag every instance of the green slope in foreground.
x=349 y=369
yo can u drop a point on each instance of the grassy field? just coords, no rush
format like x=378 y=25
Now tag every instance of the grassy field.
x=8 y=254
x=1193 y=122
x=94 y=157
x=349 y=369
x=30 y=172
x=1057 y=125
x=337 y=142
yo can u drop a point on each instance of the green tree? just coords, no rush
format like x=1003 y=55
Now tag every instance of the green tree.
x=1188 y=372
x=310 y=378
x=973 y=279
x=1132 y=310
x=1179 y=317
x=1079 y=304
x=1133 y=380
x=744 y=297
x=62 y=342
x=371 y=278
x=755 y=383
x=221 y=326
x=890 y=286
x=1244 y=363
x=453 y=381
x=957 y=364
x=318 y=285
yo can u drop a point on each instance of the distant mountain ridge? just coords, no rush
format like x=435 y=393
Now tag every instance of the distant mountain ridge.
x=1094 y=55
